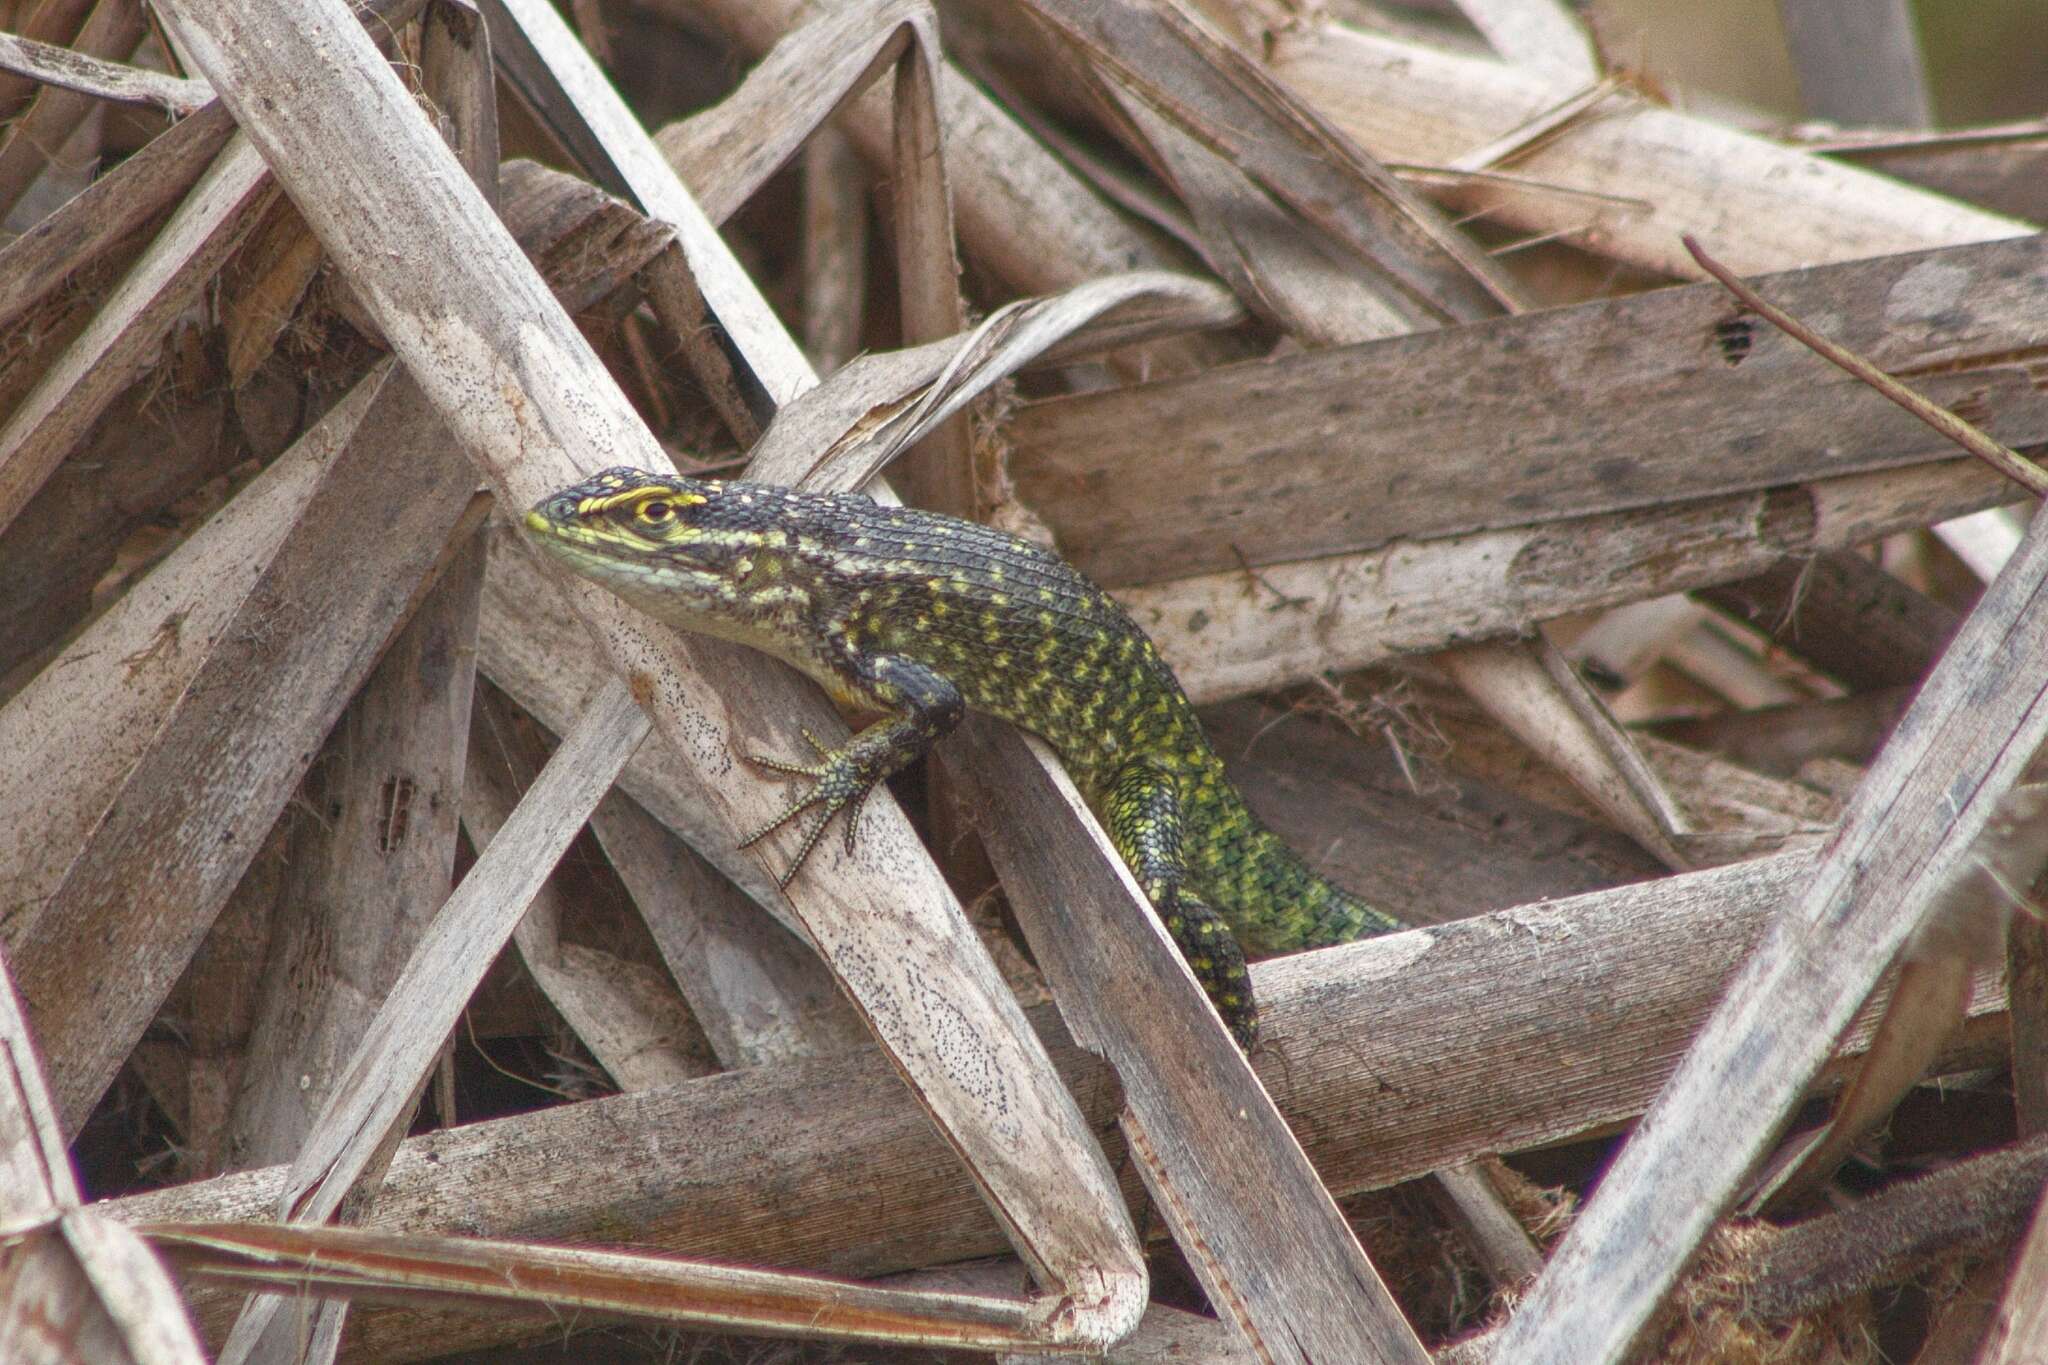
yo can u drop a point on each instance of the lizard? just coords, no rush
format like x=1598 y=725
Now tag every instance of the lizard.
x=919 y=617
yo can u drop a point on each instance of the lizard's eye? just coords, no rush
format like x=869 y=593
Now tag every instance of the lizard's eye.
x=657 y=512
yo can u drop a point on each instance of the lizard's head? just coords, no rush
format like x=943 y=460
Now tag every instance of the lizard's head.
x=666 y=543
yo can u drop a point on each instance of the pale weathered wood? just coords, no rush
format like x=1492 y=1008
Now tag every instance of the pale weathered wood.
x=529 y=402
x=1624 y=180
x=1230 y=633
x=1669 y=396
x=1020 y=212
x=639 y=1039
x=389 y=1065
x=1532 y=693
x=777 y=1165
x=1544 y=35
x=75 y=1285
x=115 y=349
x=35 y=138
x=760 y=993
x=75 y=731
x=196 y=806
x=350 y=1142
x=367 y=875
x=1964 y=742
x=101 y=215
x=1422 y=269
x=89 y=75
x=1262 y=1234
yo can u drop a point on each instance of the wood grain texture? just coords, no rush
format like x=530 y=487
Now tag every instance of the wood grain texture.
x=1643 y=173
x=215 y=774
x=528 y=401
x=1230 y=633
x=1264 y=1237
x=1388 y=1058
x=1604 y=407
x=1966 y=739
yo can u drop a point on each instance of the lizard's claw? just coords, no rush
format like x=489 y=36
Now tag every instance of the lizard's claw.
x=837 y=784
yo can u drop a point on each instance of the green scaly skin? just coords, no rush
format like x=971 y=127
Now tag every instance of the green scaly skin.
x=921 y=616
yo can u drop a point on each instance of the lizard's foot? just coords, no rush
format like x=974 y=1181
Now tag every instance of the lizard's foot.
x=840 y=780
x=1212 y=952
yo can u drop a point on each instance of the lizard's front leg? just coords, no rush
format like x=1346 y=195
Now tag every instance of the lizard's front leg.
x=925 y=707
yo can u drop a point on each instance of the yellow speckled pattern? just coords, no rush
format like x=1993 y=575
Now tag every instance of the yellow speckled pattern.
x=918 y=616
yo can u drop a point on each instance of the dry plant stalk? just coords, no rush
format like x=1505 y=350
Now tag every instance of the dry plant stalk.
x=1247 y=583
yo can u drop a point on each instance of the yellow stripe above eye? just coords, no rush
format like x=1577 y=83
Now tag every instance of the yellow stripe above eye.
x=645 y=493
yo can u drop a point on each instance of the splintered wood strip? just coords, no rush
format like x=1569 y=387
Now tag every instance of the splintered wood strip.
x=222 y=763
x=116 y=348
x=1227 y=634
x=1020 y=212
x=1426 y=271
x=390 y=1064
x=726 y=152
x=530 y=403
x=459 y=85
x=760 y=994
x=1624 y=181
x=1264 y=1237
x=89 y=75
x=1844 y=615
x=1543 y=703
x=639 y=1042
x=835 y=249
x=776 y=1165
x=112 y=30
x=1962 y=745
x=349 y=1262
x=50 y=21
x=105 y=212
x=1675 y=394
x=80 y=1286
x=76 y=732
x=938 y=471
x=36 y=1182
x=537 y=46
x=366 y=877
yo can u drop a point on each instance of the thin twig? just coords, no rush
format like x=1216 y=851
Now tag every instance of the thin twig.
x=2004 y=459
